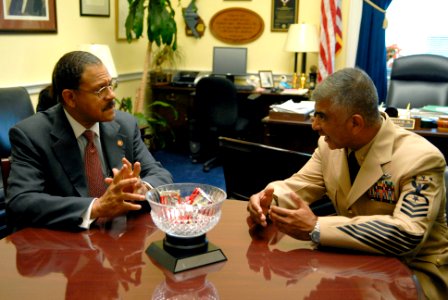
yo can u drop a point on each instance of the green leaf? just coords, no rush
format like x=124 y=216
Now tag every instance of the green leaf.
x=166 y=105
x=134 y=20
x=160 y=22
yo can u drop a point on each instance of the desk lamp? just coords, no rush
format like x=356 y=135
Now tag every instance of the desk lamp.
x=103 y=53
x=302 y=38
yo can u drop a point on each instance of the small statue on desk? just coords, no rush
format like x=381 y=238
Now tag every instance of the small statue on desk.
x=283 y=84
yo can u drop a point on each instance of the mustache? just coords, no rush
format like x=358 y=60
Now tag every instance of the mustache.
x=109 y=105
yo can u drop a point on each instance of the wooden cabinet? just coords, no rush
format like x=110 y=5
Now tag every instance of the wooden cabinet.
x=182 y=99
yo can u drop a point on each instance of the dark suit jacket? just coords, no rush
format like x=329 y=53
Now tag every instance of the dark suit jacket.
x=47 y=184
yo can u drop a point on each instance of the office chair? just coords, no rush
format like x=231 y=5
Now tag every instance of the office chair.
x=15 y=105
x=420 y=80
x=215 y=113
x=248 y=167
x=46 y=99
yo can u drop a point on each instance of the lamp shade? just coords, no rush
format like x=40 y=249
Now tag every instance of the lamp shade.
x=103 y=53
x=302 y=38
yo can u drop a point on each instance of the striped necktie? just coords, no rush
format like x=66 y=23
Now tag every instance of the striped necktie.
x=92 y=165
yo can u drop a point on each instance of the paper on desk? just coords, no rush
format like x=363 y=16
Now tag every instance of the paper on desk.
x=295 y=91
x=303 y=107
x=435 y=109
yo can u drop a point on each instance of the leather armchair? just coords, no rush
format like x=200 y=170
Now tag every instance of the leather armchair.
x=15 y=105
x=420 y=80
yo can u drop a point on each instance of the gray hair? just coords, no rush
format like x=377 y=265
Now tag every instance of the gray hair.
x=353 y=90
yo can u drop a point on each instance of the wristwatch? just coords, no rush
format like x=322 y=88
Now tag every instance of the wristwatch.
x=315 y=234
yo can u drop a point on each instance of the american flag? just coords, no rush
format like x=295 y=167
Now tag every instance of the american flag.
x=330 y=36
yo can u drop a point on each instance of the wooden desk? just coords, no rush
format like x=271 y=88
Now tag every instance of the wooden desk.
x=299 y=136
x=182 y=98
x=292 y=135
x=42 y=264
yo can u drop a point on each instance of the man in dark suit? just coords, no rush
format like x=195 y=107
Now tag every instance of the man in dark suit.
x=48 y=184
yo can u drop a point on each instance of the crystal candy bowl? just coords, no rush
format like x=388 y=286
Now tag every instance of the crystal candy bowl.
x=175 y=213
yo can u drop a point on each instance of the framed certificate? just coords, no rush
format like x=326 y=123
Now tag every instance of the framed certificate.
x=284 y=13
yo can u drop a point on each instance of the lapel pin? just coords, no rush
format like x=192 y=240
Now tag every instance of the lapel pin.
x=120 y=143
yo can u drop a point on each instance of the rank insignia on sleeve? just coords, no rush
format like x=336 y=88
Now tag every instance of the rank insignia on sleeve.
x=415 y=204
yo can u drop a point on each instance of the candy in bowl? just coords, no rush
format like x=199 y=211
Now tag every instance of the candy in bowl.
x=185 y=212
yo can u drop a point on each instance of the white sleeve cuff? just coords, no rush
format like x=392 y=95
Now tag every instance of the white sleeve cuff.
x=86 y=220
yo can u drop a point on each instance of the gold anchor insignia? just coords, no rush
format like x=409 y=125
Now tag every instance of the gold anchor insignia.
x=386 y=175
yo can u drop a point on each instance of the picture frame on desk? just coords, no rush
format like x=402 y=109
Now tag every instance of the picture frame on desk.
x=283 y=14
x=16 y=18
x=266 y=79
x=94 y=8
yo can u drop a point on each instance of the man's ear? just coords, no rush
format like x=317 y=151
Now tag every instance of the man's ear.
x=69 y=97
x=358 y=123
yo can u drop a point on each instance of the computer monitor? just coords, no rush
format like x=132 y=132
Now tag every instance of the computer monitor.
x=229 y=61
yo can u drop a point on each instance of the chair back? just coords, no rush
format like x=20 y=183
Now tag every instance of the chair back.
x=420 y=80
x=216 y=102
x=15 y=105
x=215 y=113
x=248 y=167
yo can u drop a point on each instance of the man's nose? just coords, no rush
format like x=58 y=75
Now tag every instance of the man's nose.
x=110 y=94
x=315 y=124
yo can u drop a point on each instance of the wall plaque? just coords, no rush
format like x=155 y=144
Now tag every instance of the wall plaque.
x=284 y=13
x=236 y=25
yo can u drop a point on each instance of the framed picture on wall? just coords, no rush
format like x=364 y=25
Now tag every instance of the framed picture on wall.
x=16 y=17
x=284 y=13
x=121 y=13
x=266 y=79
x=95 y=8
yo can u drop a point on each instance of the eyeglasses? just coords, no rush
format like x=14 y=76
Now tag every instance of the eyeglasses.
x=102 y=92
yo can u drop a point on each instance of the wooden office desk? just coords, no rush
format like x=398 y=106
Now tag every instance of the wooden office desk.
x=182 y=98
x=299 y=136
x=291 y=135
x=44 y=264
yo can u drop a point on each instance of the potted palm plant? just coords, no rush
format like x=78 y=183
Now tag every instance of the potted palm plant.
x=154 y=128
x=161 y=30
x=164 y=61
